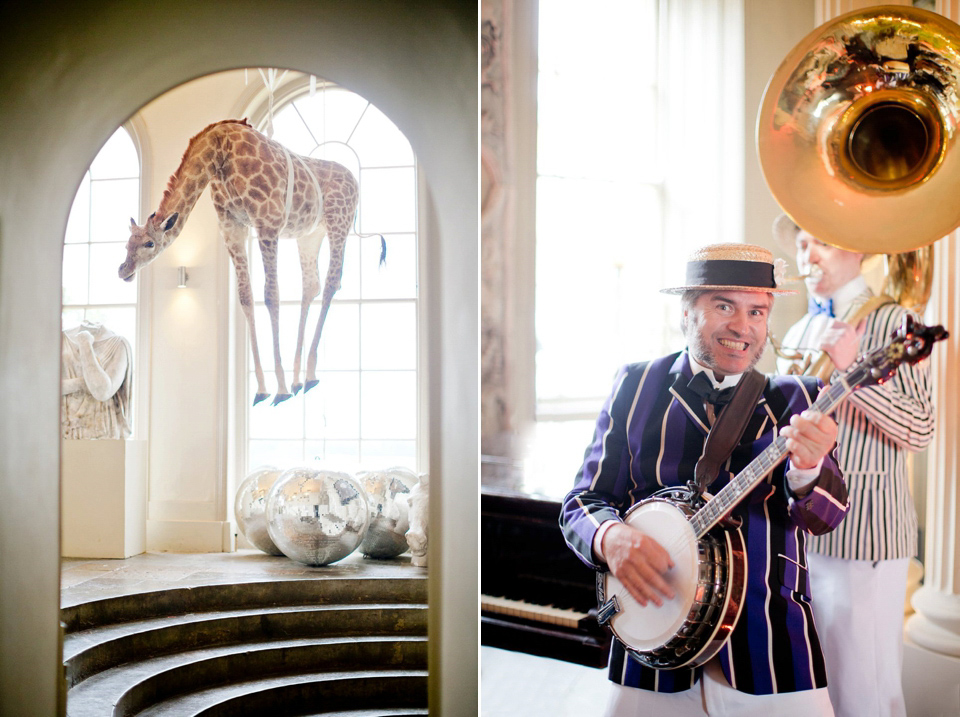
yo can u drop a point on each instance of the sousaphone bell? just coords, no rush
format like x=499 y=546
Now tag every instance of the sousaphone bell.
x=858 y=126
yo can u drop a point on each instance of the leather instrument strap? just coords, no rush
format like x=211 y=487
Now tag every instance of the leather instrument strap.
x=729 y=427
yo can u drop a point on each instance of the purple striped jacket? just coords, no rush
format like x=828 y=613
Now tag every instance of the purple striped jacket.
x=649 y=435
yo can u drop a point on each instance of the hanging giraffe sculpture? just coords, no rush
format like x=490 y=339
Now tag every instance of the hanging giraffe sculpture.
x=257 y=183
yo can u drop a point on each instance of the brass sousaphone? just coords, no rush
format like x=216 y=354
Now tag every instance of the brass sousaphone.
x=856 y=137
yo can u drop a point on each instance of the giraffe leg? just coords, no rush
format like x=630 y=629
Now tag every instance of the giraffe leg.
x=309 y=248
x=331 y=285
x=234 y=235
x=271 y=297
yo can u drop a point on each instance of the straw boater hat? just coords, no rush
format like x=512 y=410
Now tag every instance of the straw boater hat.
x=739 y=267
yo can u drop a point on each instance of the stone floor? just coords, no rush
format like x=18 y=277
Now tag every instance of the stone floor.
x=83 y=579
x=514 y=684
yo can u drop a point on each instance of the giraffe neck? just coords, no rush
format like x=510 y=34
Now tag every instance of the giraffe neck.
x=197 y=168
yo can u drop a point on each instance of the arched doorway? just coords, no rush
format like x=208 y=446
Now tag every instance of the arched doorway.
x=418 y=63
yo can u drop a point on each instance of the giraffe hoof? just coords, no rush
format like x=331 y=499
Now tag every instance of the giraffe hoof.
x=260 y=397
x=280 y=398
x=310 y=384
x=296 y=388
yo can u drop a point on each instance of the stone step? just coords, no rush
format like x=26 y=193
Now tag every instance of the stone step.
x=238 y=596
x=359 y=694
x=96 y=649
x=135 y=687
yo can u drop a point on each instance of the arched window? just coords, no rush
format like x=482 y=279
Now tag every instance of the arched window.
x=364 y=413
x=97 y=231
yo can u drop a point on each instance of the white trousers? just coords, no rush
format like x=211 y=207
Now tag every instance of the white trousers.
x=713 y=696
x=858 y=607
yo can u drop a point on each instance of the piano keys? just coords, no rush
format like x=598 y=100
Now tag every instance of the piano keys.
x=537 y=597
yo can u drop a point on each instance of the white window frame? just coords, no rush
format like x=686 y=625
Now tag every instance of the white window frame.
x=255 y=106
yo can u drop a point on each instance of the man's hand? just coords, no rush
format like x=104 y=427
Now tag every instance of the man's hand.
x=842 y=342
x=810 y=436
x=638 y=561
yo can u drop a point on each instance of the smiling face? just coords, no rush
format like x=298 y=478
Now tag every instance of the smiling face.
x=727 y=330
x=144 y=245
x=829 y=268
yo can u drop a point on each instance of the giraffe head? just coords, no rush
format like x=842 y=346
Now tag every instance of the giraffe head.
x=146 y=243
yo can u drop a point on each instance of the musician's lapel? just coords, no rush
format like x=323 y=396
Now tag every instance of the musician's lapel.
x=760 y=422
x=689 y=402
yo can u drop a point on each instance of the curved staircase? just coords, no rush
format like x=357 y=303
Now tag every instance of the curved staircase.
x=348 y=641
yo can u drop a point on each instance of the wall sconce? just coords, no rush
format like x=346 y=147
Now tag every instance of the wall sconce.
x=182 y=277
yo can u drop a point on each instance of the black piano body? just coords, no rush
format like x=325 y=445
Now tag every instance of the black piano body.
x=524 y=559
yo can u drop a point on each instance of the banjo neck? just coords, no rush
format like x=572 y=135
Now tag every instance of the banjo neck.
x=727 y=498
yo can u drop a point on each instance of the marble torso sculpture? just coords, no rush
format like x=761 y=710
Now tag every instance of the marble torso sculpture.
x=257 y=183
x=95 y=383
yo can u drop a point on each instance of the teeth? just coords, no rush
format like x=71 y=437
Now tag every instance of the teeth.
x=739 y=345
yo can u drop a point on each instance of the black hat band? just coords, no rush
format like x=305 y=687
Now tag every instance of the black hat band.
x=730 y=272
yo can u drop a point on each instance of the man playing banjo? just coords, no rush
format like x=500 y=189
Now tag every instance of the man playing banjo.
x=650 y=435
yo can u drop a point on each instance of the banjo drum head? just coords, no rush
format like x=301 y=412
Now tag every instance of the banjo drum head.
x=646 y=628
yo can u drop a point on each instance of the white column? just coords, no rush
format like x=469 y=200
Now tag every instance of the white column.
x=931 y=670
x=931 y=665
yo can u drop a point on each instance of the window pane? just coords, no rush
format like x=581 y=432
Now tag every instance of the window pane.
x=282 y=454
x=117 y=158
x=70 y=318
x=397 y=276
x=388 y=404
x=615 y=131
x=379 y=455
x=379 y=143
x=75 y=274
x=289 y=126
x=334 y=455
x=105 y=286
x=333 y=406
x=388 y=336
x=387 y=200
x=113 y=203
x=78 y=224
x=285 y=420
x=555 y=455
x=628 y=44
x=332 y=114
x=340 y=342
x=619 y=269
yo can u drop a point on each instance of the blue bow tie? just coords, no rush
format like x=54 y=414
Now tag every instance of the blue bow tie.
x=815 y=307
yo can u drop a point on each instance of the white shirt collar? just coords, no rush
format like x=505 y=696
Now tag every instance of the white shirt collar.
x=843 y=298
x=697 y=367
x=846 y=296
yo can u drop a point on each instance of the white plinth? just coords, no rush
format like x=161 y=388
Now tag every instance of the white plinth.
x=104 y=500
x=931 y=682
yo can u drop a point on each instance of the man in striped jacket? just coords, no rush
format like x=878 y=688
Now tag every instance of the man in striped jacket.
x=859 y=572
x=650 y=434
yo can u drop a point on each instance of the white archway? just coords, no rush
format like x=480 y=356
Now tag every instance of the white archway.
x=417 y=62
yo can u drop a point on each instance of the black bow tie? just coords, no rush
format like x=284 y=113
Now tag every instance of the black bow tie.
x=703 y=387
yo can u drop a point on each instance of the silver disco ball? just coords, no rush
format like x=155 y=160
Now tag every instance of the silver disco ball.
x=387 y=493
x=250 y=507
x=316 y=517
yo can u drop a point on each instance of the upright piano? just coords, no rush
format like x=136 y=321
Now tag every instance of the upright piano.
x=537 y=597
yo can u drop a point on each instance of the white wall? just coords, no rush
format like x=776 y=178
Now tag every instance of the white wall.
x=187 y=332
x=69 y=75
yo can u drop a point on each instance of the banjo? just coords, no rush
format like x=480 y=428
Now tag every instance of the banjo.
x=705 y=543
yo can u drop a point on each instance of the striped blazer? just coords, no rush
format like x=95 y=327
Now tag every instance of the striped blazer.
x=649 y=435
x=878 y=425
